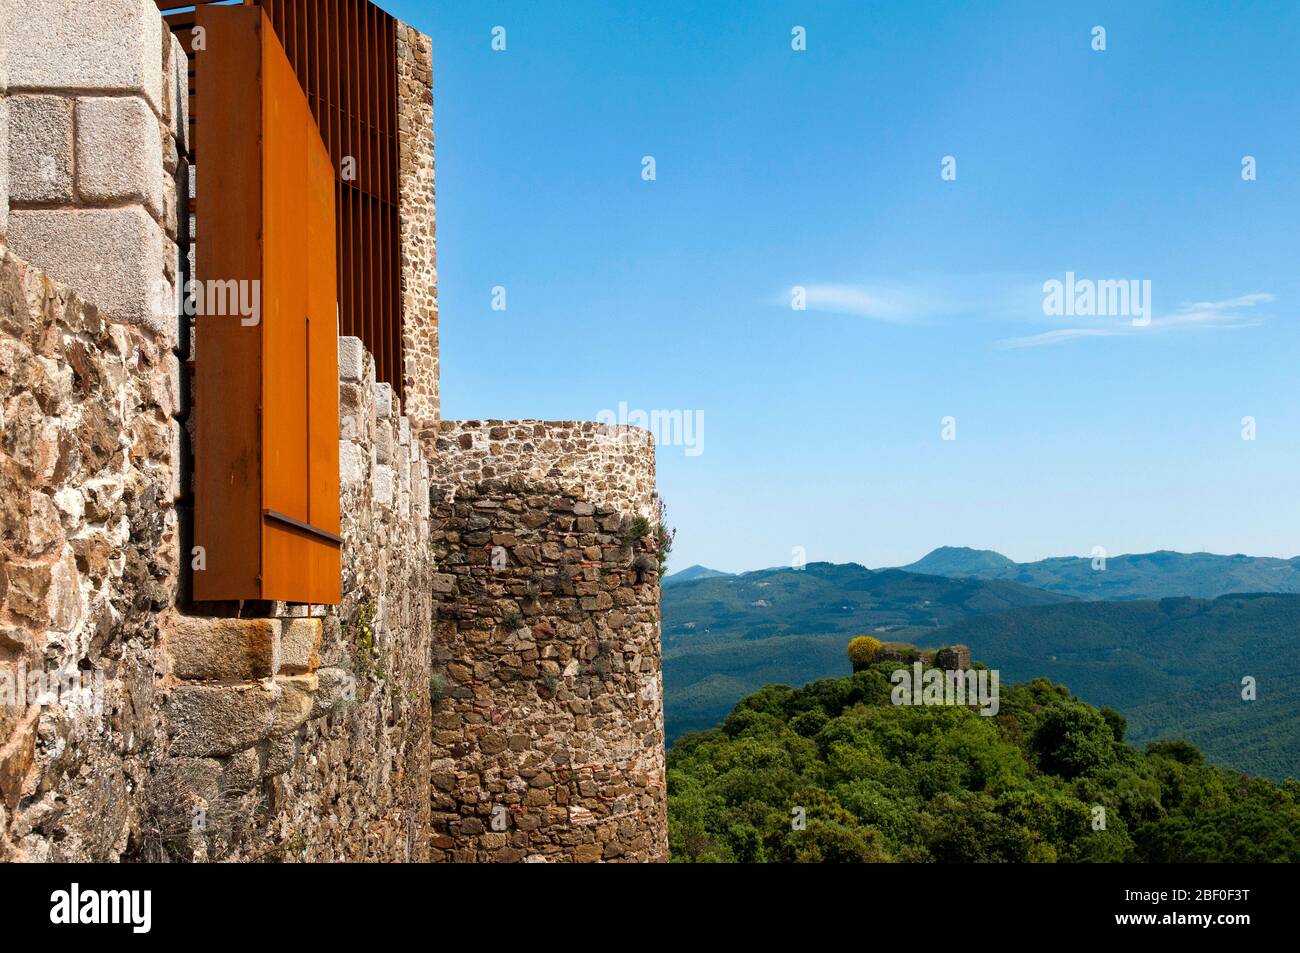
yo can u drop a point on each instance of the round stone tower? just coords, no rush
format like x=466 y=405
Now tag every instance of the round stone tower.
x=548 y=705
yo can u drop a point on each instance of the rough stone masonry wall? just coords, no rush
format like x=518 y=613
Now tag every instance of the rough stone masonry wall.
x=418 y=238
x=97 y=109
x=200 y=737
x=548 y=737
x=357 y=788
x=88 y=548
x=4 y=120
x=308 y=738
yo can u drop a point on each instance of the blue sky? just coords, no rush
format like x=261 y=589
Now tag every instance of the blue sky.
x=821 y=169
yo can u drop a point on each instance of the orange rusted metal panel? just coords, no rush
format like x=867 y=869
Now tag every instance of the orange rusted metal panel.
x=301 y=429
x=267 y=453
x=323 y=359
x=285 y=123
x=228 y=353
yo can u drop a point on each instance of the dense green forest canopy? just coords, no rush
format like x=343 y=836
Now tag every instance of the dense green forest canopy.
x=1174 y=667
x=877 y=781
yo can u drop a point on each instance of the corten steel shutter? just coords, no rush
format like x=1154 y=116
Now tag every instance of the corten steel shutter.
x=266 y=391
x=344 y=53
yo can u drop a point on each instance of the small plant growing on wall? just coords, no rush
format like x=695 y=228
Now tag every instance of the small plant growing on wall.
x=663 y=535
x=647 y=566
x=359 y=632
x=635 y=530
x=437 y=688
x=511 y=619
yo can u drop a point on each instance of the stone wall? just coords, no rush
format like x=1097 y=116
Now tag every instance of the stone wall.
x=307 y=738
x=96 y=132
x=548 y=737
x=88 y=550
x=418 y=237
x=258 y=732
x=610 y=462
x=4 y=120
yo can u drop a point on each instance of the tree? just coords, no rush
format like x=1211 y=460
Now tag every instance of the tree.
x=862 y=651
x=1072 y=739
x=1118 y=723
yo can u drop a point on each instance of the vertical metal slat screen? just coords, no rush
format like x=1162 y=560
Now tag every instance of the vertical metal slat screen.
x=345 y=55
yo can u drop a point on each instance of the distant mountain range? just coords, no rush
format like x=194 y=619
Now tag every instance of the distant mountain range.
x=1134 y=576
x=689 y=573
x=1141 y=576
x=826 y=597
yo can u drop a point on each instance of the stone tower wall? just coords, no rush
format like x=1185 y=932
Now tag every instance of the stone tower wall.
x=548 y=737
x=418 y=233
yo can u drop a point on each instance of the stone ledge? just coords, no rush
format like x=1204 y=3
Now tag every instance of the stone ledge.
x=300 y=646
x=215 y=649
x=216 y=720
x=297 y=694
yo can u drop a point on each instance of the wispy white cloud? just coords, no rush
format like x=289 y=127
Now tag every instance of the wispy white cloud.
x=1007 y=297
x=921 y=299
x=1241 y=301
x=1059 y=336
x=875 y=302
x=1228 y=314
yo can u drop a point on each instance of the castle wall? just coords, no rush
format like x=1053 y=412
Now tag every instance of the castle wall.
x=88 y=550
x=320 y=750
x=548 y=736
x=273 y=734
x=490 y=688
x=418 y=236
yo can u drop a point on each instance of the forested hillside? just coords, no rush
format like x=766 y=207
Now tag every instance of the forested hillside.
x=725 y=637
x=1173 y=667
x=829 y=597
x=1049 y=778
